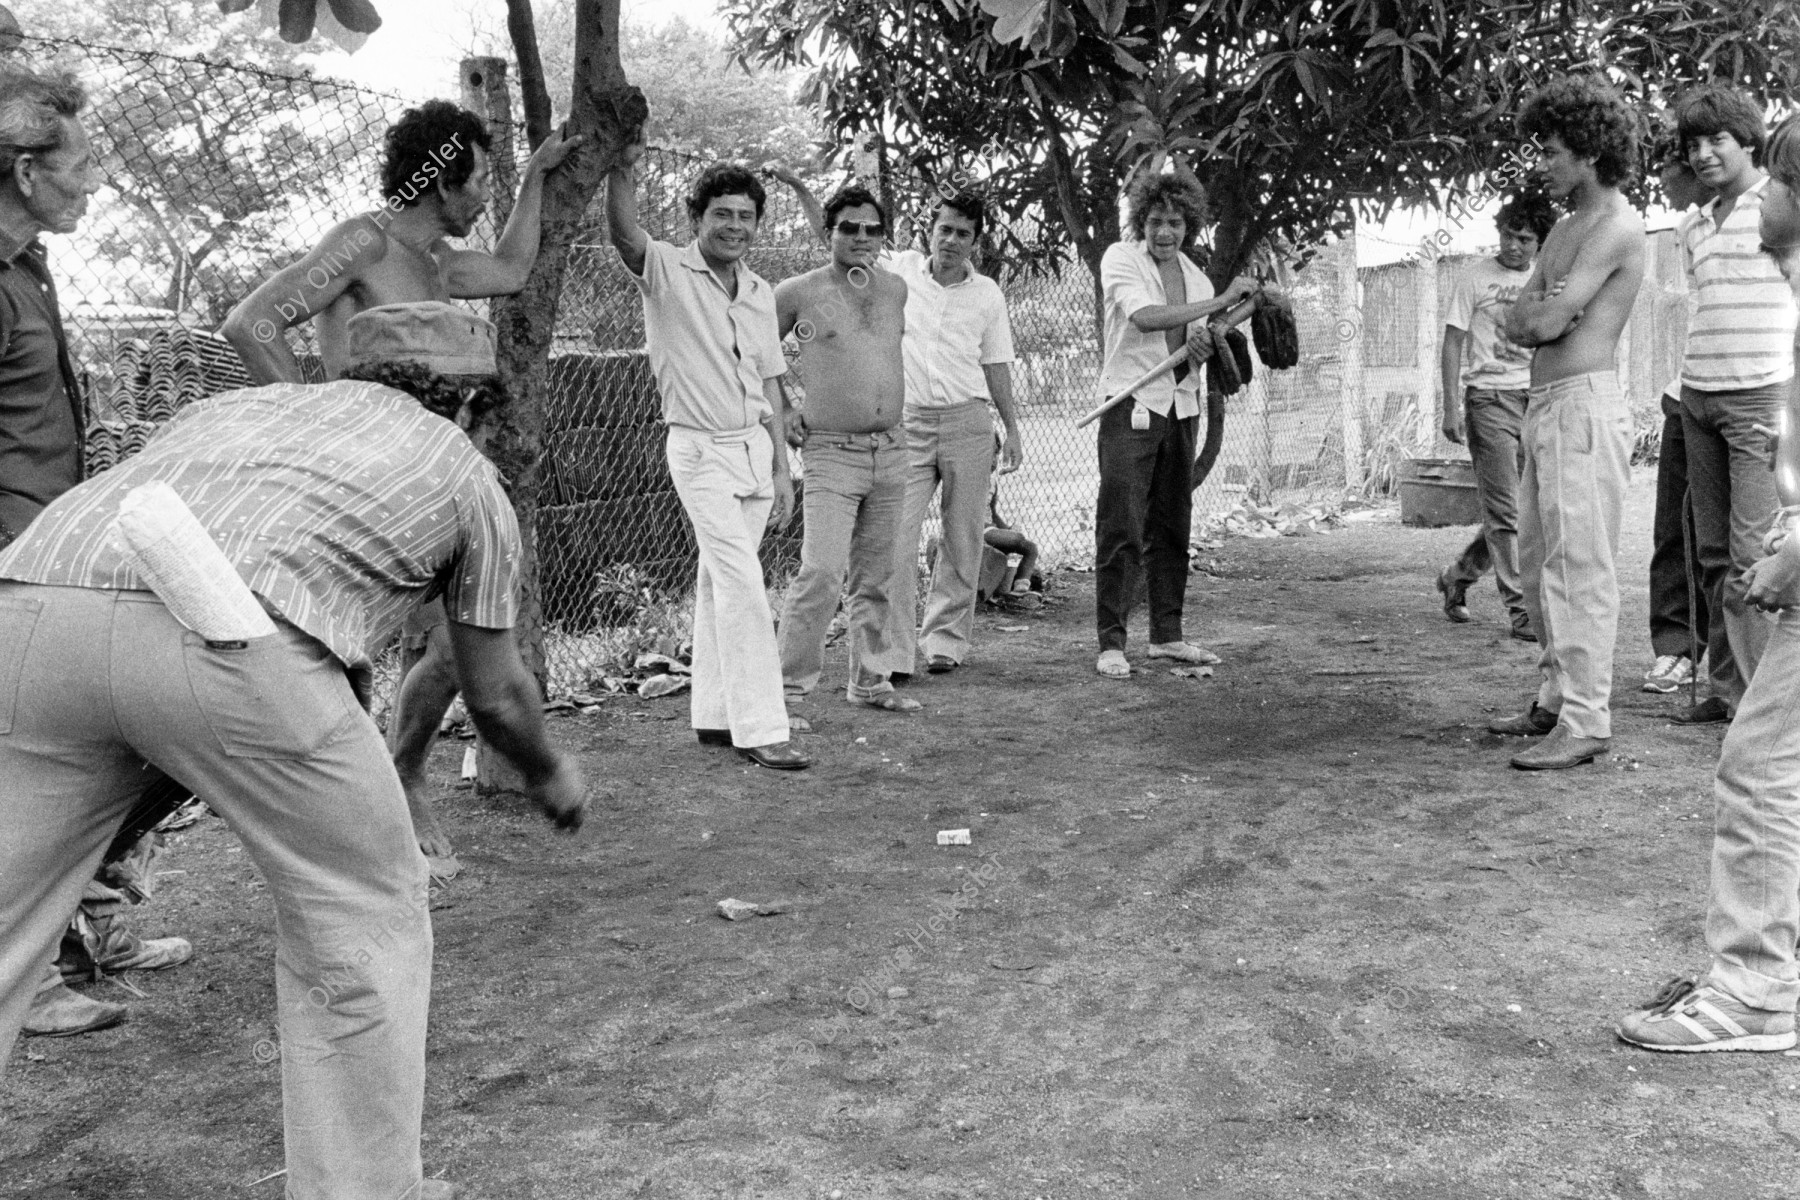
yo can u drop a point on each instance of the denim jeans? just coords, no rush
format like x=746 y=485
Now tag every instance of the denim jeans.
x=1734 y=501
x=855 y=490
x=1753 y=914
x=1141 y=520
x=95 y=684
x=1496 y=420
x=952 y=447
x=1571 y=498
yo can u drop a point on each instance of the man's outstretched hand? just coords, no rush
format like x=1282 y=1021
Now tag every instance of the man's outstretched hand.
x=553 y=149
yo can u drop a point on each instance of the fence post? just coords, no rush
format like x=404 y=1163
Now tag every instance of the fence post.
x=1350 y=339
x=484 y=93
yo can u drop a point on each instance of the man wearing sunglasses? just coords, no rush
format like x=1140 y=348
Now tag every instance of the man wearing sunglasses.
x=848 y=317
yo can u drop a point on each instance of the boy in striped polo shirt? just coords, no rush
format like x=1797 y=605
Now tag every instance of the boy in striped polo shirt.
x=1734 y=377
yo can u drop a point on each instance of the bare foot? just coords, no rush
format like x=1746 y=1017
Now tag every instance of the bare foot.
x=432 y=838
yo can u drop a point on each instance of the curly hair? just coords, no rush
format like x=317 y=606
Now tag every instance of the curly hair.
x=1592 y=120
x=435 y=140
x=32 y=110
x=852 y=195
x=1528 y=209
x=442 y=394
x=725 y=179
x=969 y=204
x=1714 y=109
x=1179 y=192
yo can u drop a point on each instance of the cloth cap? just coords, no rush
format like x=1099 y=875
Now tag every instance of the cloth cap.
x=441 y=337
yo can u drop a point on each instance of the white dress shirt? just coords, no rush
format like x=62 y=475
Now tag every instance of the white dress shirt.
x=1131 y=280
x=951 y=333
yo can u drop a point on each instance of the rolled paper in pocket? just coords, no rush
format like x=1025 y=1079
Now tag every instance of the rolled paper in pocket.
x=168 y=547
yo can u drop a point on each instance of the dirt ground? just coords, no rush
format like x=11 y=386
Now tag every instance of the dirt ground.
x=1293 y=931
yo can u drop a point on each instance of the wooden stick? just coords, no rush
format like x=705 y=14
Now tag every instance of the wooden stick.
x=1233 y=316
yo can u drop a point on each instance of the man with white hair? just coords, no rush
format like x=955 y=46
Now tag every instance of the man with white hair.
x=340 y=506
x=47 y=173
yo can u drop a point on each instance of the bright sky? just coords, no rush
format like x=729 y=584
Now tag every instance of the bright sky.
x=416 y=51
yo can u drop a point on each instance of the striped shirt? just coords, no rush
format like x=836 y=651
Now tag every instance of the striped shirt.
x=343 y=505
x=1741 y=335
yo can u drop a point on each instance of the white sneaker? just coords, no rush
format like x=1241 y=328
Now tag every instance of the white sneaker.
x=1671 y=672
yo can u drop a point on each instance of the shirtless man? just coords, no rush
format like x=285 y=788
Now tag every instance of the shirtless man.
x=1577 y=426
x=848 y=317
x=434 y=181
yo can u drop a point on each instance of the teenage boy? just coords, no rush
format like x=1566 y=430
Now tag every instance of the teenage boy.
x=1577 y=430
x=709 y=328
x=1734 y=377
x=1486 y=376
x=849 y=317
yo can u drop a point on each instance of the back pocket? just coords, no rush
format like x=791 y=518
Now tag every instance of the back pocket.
x=280 y=696
x=18 y=619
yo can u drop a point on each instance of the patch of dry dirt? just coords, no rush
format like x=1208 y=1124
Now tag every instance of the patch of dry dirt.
x=1254 y=936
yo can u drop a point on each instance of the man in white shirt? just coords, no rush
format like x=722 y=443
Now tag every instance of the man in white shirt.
x=709 y=328
x=1487 y=377
x=1153 y=290
x=959 y=353
x=1734 y=377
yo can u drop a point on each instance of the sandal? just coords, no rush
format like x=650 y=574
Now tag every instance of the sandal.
x=1112 y=664
x=889 y=702
x=1185 y=652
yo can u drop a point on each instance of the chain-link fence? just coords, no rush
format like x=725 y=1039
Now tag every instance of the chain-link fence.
x=217 y=175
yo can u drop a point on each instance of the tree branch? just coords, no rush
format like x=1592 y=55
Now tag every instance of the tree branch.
x=522 y=28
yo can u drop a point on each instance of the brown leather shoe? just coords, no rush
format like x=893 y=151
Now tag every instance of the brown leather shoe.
x=1535 y=721
x=1560 y=750
x=63 y=1012
x=781 y=756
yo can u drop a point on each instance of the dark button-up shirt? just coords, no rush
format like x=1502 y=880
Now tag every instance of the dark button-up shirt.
x=40 y=409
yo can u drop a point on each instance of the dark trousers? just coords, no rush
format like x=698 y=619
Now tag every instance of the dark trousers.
x=1141 y=521
x=1674 y=628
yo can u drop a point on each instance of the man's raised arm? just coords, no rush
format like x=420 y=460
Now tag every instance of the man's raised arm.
x=628 y=237
x=296 y=293
x=809 y=203
x=475 y=273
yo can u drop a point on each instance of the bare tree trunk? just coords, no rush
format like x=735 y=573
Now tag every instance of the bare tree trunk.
x=608 y=112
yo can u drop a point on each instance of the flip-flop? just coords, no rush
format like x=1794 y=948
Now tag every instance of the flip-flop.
x=891 y=702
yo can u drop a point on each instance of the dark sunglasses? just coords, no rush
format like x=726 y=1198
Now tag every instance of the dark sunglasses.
x=867 y=229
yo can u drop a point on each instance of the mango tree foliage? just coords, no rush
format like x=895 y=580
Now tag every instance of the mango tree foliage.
x=1286 y=112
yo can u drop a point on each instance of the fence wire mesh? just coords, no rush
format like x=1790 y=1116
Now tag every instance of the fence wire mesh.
x=217 y=175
